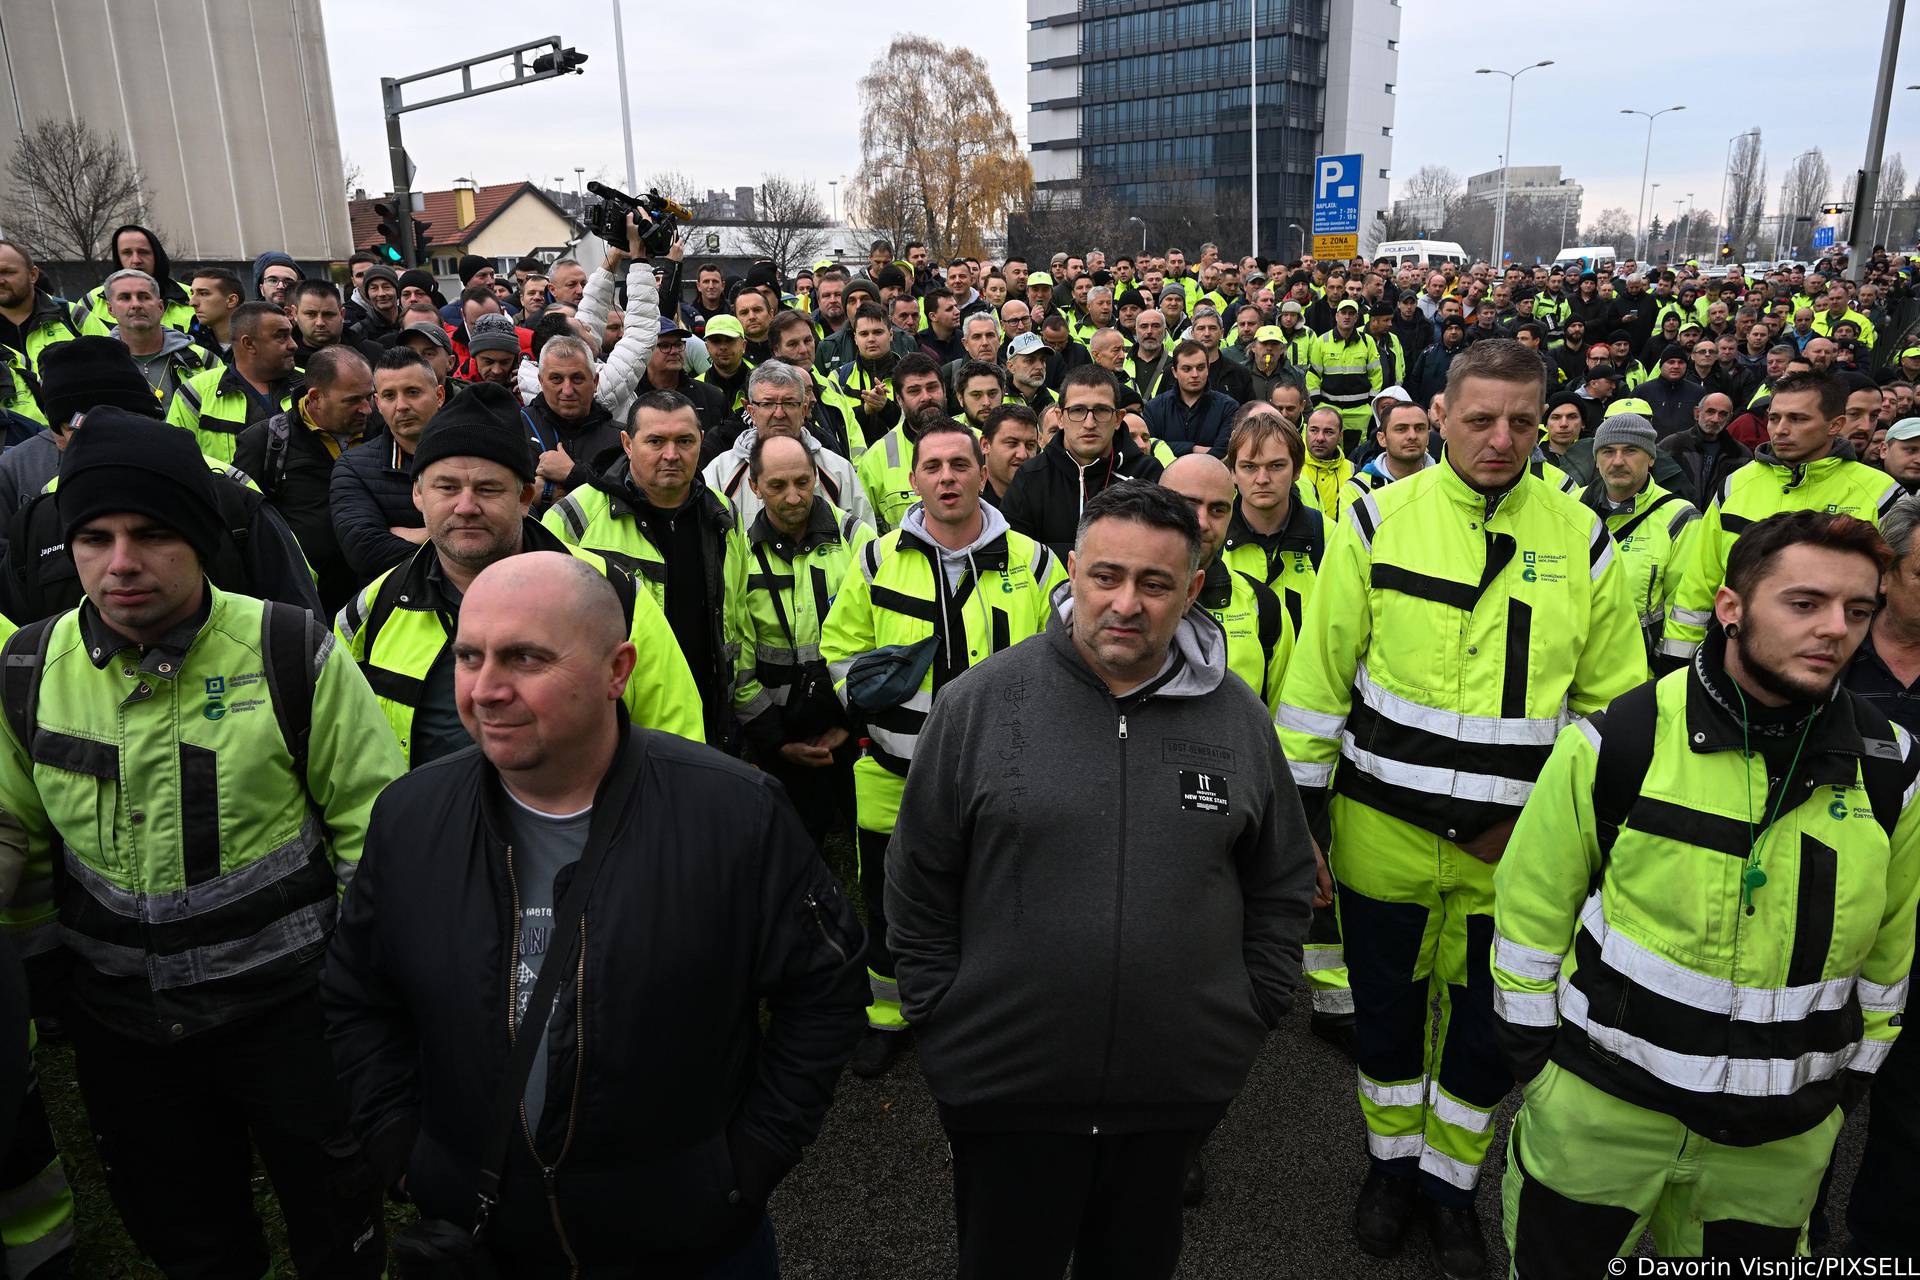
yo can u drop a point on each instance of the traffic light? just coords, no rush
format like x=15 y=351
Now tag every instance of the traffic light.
x=1834 y=208
x=1726 y=250
x=390 y=233
x=420 y=241
x=568 y=59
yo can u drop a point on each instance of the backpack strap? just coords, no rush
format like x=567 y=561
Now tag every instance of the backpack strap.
x=1626 y=732
x=1888 y=764
x=293 y=671
x=1640 y=518
x=22 y=663
x=279 y=438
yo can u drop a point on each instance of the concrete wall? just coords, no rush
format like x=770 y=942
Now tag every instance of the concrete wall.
x=226 y=106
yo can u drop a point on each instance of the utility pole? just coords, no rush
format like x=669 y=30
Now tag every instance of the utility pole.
x=1253 y=121
x=557 y=61
x=1863 y=197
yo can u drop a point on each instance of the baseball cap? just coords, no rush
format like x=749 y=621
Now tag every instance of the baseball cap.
x=1909 y=351
x=1905 y=429
x=1039 y=277
x=1269 y=333
x=1394 y=393
x=1347 y=304
x=725 y=327
x=1025 y=344
x=432 y=333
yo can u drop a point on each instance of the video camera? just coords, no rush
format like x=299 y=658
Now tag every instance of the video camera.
x=657 y=216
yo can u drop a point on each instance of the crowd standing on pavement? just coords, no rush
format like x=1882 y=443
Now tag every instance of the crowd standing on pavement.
x=422 y=720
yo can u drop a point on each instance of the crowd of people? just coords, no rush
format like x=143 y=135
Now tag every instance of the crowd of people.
x=1515 y=666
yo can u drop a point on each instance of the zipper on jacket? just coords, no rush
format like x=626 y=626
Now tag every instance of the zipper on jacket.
x=579 y=1057
x=1119 y=907
x=812 y=903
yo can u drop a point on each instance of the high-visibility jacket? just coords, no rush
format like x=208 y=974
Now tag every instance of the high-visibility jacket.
x=1762 y=488
x=206 y=806
x=1323 y=485
x=1658 y=937
x=1259 y=631
x=844 y=409
x=52 y=320
x=886 y=473
x=1288 y=562
x=1551 y=309
x=1449 y=638
x=1348 y=372
x=218 y=404
x=1649 y=535
x=849 y=380
x=897 y=594
x=397 y=628
x=1823 y=324
x=97 y=320
x=1299 y=353
x=791 y=584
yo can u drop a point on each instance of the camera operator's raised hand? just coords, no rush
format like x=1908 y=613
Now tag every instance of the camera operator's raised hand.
x=678 y=249
x=636 y=245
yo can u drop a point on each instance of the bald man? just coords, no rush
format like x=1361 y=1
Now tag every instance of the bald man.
x=702 y=897
x=1259 y=630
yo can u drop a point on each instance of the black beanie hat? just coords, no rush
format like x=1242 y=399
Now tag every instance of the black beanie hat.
x=420 y=280
x=88 y=372
x=471 y=265
x=120 y=461
x=1672 y=351
x=482 y=422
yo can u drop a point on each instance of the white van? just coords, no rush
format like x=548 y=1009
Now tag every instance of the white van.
x=1586 y=257
x=1425 y=253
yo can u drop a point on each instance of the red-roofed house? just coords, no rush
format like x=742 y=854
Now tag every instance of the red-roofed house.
x=503 y=222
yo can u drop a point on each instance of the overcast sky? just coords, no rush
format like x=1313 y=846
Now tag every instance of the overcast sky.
x=735 y=90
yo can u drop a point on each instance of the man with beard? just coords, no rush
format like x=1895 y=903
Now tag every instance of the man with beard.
x=886 y=469
x=1027 y=358
x=219 y=404
x=31 y=320
x=1803 y=466
x=1152 y=364
x=1731 y=832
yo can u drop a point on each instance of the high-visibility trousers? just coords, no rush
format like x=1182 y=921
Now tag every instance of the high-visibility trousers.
x=36 y=1204
x=1416 y=915
x=876 y=806
x=1587 y=1173
x=1325 y=964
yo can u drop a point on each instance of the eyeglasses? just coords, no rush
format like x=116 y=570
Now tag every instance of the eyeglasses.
x=791 y=406
x=1103 y=414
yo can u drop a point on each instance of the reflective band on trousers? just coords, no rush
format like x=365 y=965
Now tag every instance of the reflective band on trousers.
x=1456 y=1113
x=1445 y=1167
x=1497 y=731
x=1664 y=977
x=1403 y=1146
x=1752 y=1077
x=1333 y=1000
x=1318 y=959
x=1487 y=788
x=1525 y=962
x=1411 y=1094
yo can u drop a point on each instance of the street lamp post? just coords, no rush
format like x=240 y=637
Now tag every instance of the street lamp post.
x=1143 y=234
x=1506 y=157
x=1294 y=226
x=1646 y=159
x=1726 y=176
x=833 y=185
x=1253 y=123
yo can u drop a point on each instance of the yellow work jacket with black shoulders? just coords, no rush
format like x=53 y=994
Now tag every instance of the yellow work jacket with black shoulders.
x=790 y=588
x=1657 y=936
x=1259 y=631
x=1761 y=488
x=218 y=404
x=199 y=801
x=1288 y=561
x=52 y=321
x=898 y=594
x=402 y=621
x=1451 y=635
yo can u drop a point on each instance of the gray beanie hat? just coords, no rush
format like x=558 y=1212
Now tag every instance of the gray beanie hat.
x=492 y=332
x=1172 y=290
x=1627 y=428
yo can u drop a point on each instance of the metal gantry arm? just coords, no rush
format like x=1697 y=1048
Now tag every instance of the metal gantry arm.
x=559 y=62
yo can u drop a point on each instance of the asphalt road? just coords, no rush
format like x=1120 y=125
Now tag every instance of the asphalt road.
x=873 y=1199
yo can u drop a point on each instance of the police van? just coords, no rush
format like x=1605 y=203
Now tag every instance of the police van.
x=1425 y=253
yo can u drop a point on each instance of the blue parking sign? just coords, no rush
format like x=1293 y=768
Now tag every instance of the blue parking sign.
x=1336 y=194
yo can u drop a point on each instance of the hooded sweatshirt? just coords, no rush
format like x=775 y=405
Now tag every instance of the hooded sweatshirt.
x=163 y=369
x=834 y=479
x=1108 y=950
x=955 y=563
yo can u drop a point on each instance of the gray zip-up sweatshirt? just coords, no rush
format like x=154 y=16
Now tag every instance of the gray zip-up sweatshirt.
x=1096 y=906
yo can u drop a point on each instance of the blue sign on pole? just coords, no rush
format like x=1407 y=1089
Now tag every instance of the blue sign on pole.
x=1823 y=237
x=1336 y=194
